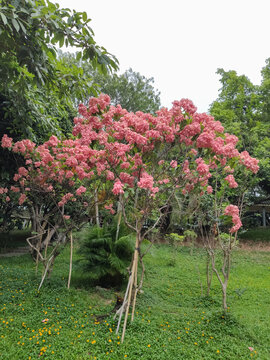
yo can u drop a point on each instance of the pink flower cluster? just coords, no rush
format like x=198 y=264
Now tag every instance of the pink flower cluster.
x=110 y=208
x=231 y=180
x=147 y=182
x=80 y=190
x=233 y=211
x=118 y=188
x=249 y=162
x=6 y=142
x=65 y=199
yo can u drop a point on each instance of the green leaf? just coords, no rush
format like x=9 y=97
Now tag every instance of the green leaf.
x=3 y=16
x=62 y=40
x=22 y=26
x=84 y=16
x=15 y=24
x=78 y=56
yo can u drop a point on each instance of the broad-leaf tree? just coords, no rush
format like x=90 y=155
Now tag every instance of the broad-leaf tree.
x=37 y=89
x=243 y=109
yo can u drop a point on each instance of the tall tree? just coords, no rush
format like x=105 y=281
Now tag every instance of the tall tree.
x=244 y=109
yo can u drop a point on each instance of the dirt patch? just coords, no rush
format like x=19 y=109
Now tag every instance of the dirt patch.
x=15 y=252
x=250 y=245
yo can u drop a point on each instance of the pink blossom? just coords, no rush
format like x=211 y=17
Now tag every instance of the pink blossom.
x=186 y=104
x=154 y=190
x=15 y=189
x=53 y=141
x=7 y=199
x=6 y=142
x=22 y=199
x=66 y=217
x=69 y=174
x=125 y=165
x=249 y=162
x=202 y=168
x=209 y=189
x=233 y=211
x=3 y=190
x=127 y=179
x=71 y=161
x=205 y=139
x=232 y=183
x=118 y=188
x=81 y=190
x=161 y=162
x=191 y=130
x=231 y=139
x=146 y=181
x=186 y=169
x=251 y=348
x=22 y=171
x=65 y=199
x=110 y=175
x=109 y=207
x=173 y=163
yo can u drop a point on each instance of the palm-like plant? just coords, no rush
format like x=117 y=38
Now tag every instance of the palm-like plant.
x=104 y=257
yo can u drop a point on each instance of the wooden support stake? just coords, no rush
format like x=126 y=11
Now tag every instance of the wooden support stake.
x=134 y=267
x=70 y=262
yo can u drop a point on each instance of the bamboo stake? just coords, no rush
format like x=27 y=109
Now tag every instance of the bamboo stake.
x=96 y=208
x=70 y=262
x=135 y=260
x=123 y=305
x=119 y=212
x=135 y=286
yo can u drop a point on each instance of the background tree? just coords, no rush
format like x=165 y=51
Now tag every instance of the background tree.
x=131 y=89
x=37 y=89
x=244 y=110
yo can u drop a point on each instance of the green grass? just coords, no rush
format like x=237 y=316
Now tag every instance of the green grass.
x=173 y=320
x=257 y=234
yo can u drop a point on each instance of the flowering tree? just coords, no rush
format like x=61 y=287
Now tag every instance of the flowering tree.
x=145 y=160
x=150 y=158
x=50 y=187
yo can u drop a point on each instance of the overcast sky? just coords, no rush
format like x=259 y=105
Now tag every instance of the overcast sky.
x=182 y=43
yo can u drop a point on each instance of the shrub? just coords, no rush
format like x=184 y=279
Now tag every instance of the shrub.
x=103 y=257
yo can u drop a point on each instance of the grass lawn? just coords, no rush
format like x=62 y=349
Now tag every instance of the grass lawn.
x=173 y=320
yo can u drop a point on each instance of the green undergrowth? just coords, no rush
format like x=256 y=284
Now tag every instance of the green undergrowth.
x=13 y=239
x=172 y=318
x=257 y=234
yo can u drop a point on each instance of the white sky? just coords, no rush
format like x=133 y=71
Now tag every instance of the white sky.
x=182 y=43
